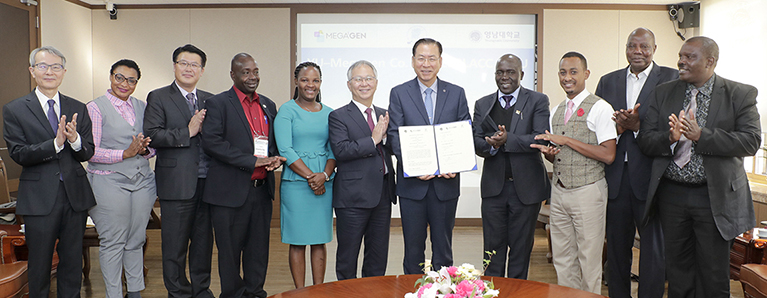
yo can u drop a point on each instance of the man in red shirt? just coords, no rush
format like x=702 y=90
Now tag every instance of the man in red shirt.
x=238 y=137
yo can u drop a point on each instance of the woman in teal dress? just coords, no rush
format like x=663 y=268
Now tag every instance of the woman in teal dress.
x=306 y=190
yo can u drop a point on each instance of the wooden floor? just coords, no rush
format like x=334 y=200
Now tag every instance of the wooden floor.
x=467 y=248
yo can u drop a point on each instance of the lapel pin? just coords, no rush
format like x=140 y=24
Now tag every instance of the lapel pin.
x=518 y=112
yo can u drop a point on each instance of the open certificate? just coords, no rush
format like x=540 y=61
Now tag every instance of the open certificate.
x=437 y=149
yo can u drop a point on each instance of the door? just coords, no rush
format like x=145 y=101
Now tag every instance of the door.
x=19 y=35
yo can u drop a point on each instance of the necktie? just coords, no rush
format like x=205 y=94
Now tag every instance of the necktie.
x=683 y=150
x=191 y=103
x=427 y=102
x=369 y=112
x=52 y=118
x=569 y=112
x=508 y=99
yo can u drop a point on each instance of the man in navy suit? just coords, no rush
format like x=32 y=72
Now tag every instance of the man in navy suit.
x=698 y=129
x=238 y=136
x=54 y=193
x=363 y=190
x=514 y=180
x=627 y=90
x=173 y=119
x=427 y=200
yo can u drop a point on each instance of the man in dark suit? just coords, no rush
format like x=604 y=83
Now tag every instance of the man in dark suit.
x=363 y=190
x=427 y=200
x=626 y=90
x=698 y=129
x=173 y=119
x=54 y=193
x=514 y=180
x=238 y=136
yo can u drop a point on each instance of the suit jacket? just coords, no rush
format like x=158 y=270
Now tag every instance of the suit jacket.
x=530 y=118
x=359 y=171
x=228 y=140
x=732 y=132
x=30 y=143
x=612 y=87
x=406 y=108
x=166 y=121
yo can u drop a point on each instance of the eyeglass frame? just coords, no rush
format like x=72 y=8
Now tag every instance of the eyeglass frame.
x=120 y=78
x=184 y=64
x=44 y=67
x=359 y=79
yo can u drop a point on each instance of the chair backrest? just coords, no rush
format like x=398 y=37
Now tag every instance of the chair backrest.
x=5 y=195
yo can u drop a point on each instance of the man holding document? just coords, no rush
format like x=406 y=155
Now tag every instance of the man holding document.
x=514 y=180
x=430 y=199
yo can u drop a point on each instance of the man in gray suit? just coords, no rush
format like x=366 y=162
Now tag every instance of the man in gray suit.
x=628 y=90
x=514 y=180
x=363 y=190
x=173 y=119
x=698 y=129
x=54 y=193
x=428 y=200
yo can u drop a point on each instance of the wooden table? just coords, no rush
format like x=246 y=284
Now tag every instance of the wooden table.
x=746 y=249
x=396 y=286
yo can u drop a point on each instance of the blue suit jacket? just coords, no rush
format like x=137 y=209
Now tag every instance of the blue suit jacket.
x=406 y=108
x=612 y=87
x=228 y=140
x=732 y=131
x=531 y=117
x=359 y=170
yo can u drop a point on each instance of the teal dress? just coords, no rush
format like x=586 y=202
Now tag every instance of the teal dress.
x=305 y=218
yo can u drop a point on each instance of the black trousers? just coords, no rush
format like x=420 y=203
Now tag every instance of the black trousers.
x=508 y=225
x=242 y=238
x=697 y=257
x=66 y=225
x=624 y=215
x=187 y=231
x=354 y=224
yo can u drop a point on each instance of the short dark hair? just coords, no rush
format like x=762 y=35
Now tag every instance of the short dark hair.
x=127 y=63
x=579 y=56
x=191 y=49
x=236 y=60
x=427 y=41
x=708 y=46
x=298 y=70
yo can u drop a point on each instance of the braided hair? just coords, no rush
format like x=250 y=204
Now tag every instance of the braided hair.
x=300 y=67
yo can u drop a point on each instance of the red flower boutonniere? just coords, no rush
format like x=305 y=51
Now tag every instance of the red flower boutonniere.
x=580 y=112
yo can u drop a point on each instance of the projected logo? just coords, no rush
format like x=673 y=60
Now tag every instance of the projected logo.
x=319 y=36
x=501 y=36
x=475 y=36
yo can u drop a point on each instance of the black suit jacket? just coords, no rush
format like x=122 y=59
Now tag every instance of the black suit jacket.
x=228 y=140
x=732 y=131
x=406 y=108
x=530 y=118
x=612 y=88
x=30 y=143
x=359 y=170
x=166 y=121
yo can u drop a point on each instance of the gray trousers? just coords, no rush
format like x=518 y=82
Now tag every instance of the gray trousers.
x=123 y=207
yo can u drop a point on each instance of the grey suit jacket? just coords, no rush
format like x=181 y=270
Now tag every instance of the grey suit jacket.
x=406 y=108
x=166 y=121
x=732 y=131
x=30 y=143
x=530 y=118
x=359 y=170
x=612 y=87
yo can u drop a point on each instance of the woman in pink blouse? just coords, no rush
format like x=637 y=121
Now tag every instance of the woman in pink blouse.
x=122 y=181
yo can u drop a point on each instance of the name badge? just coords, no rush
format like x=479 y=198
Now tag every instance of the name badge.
x=261 y=146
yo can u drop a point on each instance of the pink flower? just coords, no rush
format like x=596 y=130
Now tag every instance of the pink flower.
x=480 y=285
x=423 y=288
x=580 y=112
x=464 y=288
x=451 y=296
x=453 y=271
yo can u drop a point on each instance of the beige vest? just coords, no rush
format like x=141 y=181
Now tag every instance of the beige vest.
x=570 y=167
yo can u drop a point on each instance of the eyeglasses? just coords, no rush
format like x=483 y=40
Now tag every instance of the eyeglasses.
x=120 y=79
x=44 y=67
x=185 y=64
x=422 y=60
x=368 y=79
x=643 y=47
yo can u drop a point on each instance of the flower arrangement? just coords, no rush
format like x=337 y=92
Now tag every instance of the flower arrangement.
x=453 y=282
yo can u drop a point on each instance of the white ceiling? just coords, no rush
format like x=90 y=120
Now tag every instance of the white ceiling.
x=144 y=2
